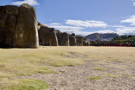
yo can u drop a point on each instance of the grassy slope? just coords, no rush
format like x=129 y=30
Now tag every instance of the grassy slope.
x=24 y=62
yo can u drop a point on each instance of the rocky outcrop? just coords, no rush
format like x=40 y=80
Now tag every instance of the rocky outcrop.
x=18 y=27
x=47 y=36
x=72 y=40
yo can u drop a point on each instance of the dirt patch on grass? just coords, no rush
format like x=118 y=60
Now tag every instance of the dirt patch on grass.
x=84 y=77
x=72 y=68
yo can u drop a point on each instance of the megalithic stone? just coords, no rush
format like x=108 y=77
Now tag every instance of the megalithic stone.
x=63 y=39
x=79 y=40
x=47 y=36
x=72 y=40
x=26 y=29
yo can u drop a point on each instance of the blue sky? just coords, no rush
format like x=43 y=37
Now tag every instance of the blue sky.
x=84 y=16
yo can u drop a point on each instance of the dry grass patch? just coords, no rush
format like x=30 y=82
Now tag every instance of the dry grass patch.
x=24 y=62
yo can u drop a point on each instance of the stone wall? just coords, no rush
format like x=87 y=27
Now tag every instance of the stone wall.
x=47 y=36
x=72 y=40
x=18 y=27
x=63 y=38
x=79 y=40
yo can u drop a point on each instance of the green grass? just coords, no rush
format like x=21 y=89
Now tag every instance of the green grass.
x=115 y=75
x=67 y=62
x=23 y=84
x=24 y=70
x=99 y=68
x=95 y=77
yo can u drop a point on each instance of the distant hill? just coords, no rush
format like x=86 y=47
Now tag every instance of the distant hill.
x=100 y=36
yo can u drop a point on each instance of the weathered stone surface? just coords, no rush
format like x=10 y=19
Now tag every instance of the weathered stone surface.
x=18 y=27
x=11 y=21
x=72 y=40
x=6 y=38
x=2 y=9
x=63 y=39
x=57 y=32
x=6 y=34
x=47 y=36
x=79 y=40
x=13 y=10
x=26 y=29
x=3 y=16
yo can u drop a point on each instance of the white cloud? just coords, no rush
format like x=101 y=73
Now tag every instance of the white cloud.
x=118 y=26
x=133 y=3
x=126 y=31
x=76 y=29
x=65 y=28
x=83 y=27
x=84 y=33
x=105 y=31
x=87 y=23
x=31 y=2
x=130 y=20
x=55 y=24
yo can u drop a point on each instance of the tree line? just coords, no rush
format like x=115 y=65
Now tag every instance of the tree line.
x=124 y=40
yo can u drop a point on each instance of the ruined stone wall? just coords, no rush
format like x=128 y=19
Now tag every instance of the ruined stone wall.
x=47 y=36
x=72 y=40
x=18 y=27
x=79 y=40
x=63 y=39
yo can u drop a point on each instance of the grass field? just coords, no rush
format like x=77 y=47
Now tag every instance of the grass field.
x=26 y=62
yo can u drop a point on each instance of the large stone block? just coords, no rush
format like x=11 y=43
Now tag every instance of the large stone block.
x=79 y=40
x=7 y=38
x=13 y=10
x=11 y=21
x=26 y=29
x=72 y=40
x=63 y=39
x=2 y=9
x=47 y=36
x=3 y=16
